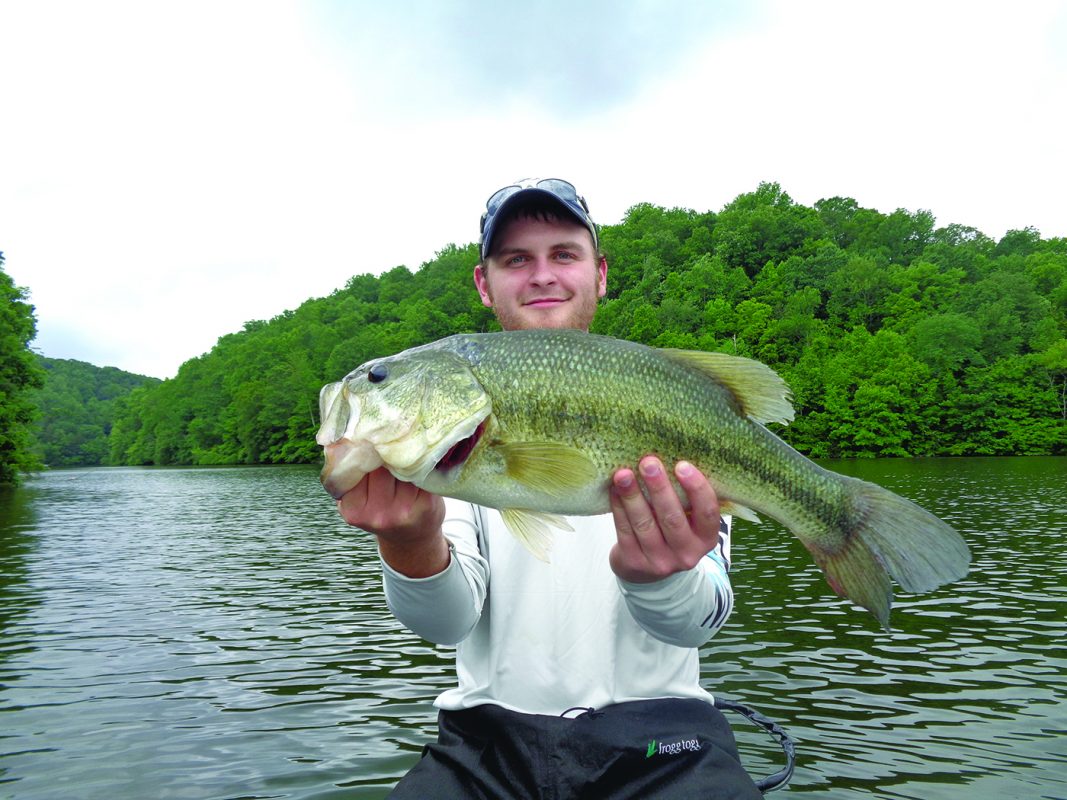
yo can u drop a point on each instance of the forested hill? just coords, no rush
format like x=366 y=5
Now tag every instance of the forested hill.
x=77 y=405
x=896 y=336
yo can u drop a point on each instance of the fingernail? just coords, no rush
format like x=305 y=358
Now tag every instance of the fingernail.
x=649 y=469
x=624 y=480
x=683 y=469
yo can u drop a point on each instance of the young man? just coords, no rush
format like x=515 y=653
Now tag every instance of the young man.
x=579 y=677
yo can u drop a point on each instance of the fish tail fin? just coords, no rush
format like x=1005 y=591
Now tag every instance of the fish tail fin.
x=885 y=535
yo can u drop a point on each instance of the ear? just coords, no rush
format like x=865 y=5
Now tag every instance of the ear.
x=482 y=284
x=602 y=277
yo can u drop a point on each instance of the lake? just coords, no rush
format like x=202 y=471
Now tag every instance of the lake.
x=220 y=633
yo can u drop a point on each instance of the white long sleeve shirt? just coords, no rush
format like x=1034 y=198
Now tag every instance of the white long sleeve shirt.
x=543 y=638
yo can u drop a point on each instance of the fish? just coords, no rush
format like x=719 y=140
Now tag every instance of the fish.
x=535 y=423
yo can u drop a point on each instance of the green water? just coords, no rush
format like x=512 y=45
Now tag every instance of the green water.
x=219 y=633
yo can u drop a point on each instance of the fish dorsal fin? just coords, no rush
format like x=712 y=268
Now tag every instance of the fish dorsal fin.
x=533 y=529
x=548 y=467
x=760 y=392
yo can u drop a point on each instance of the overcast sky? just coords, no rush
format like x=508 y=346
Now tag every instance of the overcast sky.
x=171 y=170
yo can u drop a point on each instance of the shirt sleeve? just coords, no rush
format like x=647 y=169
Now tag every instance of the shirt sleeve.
x=688 y=608
x=445 y=607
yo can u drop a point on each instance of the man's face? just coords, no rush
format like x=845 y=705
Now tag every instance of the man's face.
x=543 y=274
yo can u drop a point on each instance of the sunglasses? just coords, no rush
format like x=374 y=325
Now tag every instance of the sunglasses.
x=562 y=189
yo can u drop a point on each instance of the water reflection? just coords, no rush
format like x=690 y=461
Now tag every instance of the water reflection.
x=17 y=541
x=220 y=633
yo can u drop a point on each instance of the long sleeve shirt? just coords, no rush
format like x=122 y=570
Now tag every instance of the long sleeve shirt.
x=542 y=638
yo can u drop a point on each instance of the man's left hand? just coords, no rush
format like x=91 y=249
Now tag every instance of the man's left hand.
x=657 y=538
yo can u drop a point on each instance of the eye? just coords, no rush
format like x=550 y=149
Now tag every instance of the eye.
x=377 y=373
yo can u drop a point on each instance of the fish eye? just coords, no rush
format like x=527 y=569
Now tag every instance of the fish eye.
x=377 y=373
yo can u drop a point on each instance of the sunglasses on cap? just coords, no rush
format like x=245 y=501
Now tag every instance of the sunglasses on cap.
x=561 y=190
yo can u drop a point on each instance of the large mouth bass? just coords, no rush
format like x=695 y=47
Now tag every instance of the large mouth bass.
x=535 y=423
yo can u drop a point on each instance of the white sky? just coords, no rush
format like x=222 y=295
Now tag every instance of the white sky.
x=170 y=170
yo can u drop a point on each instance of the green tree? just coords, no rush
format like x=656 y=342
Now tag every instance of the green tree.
x=858 y=291
x=847 y=224
x=1054 y=362
x=20 y=374
x=946 y=342
x=765 y=225
x=1013 y=409
x=79 y=402
x=875 y=389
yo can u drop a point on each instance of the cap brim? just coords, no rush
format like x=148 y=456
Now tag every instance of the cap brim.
x=576 y=212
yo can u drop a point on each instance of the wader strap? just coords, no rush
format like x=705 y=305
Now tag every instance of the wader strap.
x=780 y=778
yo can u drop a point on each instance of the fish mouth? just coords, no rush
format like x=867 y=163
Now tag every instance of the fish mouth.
x=346 y=465
x=461 y=450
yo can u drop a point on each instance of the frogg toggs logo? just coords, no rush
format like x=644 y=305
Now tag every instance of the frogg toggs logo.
x=671 y=748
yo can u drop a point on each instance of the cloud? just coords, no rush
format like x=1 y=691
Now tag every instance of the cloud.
x=554 y=56
x=170 y=172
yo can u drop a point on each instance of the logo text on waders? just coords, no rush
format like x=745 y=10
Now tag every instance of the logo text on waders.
x=671 y=748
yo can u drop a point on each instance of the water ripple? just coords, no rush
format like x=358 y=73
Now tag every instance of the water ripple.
x=219 y=633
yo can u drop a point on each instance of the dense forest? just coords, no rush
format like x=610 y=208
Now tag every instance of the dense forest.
x=77 y=406
x=897 y=337
x=20 y=374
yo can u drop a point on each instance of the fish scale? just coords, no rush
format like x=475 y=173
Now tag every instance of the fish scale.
x=617 y=428
x=562 y=386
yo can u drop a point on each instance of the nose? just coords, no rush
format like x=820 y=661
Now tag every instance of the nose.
x=542 y=272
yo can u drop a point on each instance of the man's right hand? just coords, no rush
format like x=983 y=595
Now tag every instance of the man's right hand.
x=405 y=519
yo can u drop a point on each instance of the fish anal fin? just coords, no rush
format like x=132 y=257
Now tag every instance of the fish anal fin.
x=760 y=392
x=736 y=509
x=533 y=529
x=549 y=467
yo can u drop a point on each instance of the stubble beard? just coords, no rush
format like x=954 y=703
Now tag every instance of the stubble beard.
x=582 y=309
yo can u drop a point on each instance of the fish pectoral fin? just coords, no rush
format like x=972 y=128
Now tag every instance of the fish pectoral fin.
x=738 y=510
x=760 y=392
x=548 y=467
x=533 y=529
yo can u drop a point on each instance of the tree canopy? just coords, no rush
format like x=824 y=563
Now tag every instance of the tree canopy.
x=19 y=376
x=897 y=337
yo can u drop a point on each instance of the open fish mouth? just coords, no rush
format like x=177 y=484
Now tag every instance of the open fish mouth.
x=461 y=450
x=347 y=462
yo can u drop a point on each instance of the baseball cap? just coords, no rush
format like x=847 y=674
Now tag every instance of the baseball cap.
x=560 y=190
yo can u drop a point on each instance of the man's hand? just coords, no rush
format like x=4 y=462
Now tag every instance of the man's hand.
x=406 y=520
x=657 y=538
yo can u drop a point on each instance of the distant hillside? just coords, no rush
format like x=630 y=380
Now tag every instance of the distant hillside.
x=897 y=337
x=78 y=404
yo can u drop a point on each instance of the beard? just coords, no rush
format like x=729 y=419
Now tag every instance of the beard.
x=577 y=313
x=515 y=299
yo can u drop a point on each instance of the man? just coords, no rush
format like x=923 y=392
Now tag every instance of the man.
x=579 y=677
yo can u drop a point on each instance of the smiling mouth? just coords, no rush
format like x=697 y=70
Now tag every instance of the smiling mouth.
x=545 y=301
